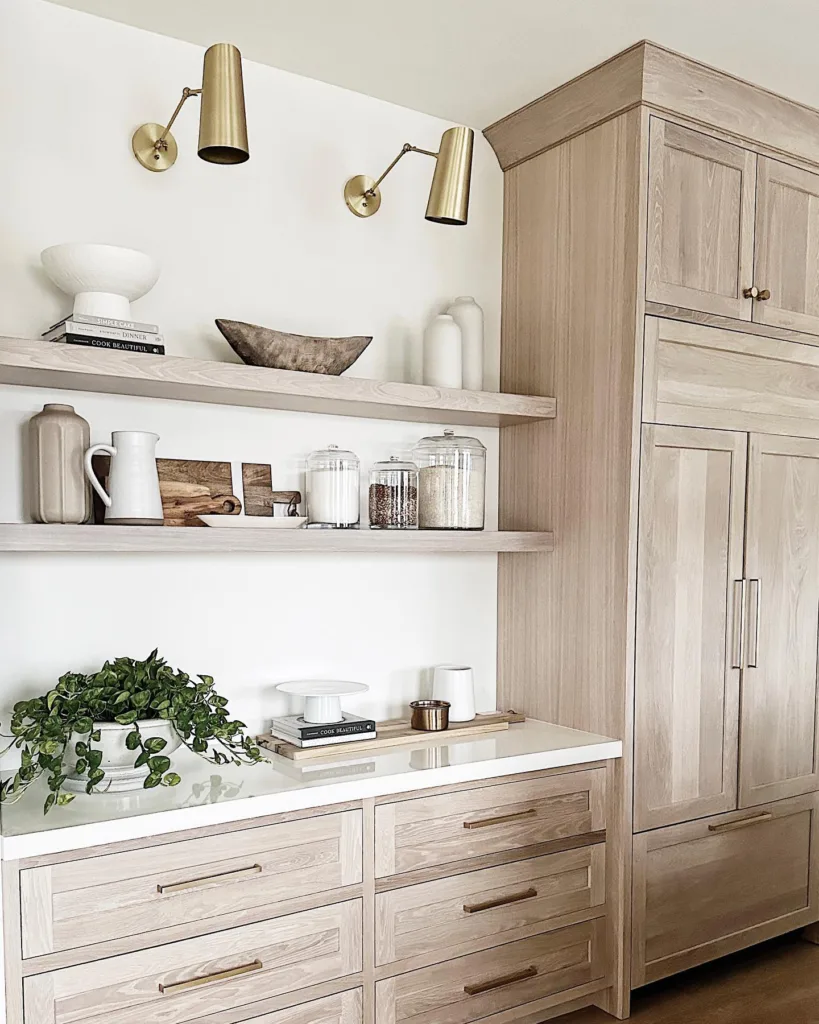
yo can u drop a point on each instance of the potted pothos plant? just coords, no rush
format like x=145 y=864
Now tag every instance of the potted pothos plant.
x=115 y=730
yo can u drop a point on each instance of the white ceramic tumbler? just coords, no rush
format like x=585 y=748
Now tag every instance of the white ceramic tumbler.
x=455 y=684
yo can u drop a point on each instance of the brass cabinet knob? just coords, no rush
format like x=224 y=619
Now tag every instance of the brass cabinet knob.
x=760 y=294
x=764 y=293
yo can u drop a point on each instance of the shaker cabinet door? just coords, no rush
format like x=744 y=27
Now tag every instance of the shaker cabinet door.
x=787 y=247
x=689 y=623
x=778 y=731
x=700 y=221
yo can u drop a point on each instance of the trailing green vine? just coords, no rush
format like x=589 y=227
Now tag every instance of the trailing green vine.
x=127 y=692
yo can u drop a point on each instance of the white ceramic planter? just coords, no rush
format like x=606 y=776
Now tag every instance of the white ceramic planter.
x=104 y=279
x=117 y=759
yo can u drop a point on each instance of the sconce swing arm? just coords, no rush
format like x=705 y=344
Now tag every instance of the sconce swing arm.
x=406 y=148
x=161 y=142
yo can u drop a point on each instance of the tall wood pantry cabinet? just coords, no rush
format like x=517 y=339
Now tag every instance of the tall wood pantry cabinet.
x=661 y=280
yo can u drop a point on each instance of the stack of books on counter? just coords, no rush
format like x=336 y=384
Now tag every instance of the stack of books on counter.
x=293 y=729
x=102 y=332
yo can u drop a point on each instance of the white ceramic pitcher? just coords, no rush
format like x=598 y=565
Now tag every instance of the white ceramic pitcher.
x=133 y=482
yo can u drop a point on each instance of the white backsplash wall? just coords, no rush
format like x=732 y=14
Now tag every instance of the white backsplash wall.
x=269 y=242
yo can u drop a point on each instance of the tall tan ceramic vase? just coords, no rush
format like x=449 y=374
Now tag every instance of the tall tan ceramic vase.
x=60 y=491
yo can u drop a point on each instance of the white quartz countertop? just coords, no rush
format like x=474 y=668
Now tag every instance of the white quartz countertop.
x=210 y=795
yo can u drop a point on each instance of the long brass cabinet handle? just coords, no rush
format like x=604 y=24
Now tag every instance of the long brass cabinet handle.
x=206 y=979
x=224 y=876
x=502 y=901
x=737 y=632
x=504 y=979
x=754 y=600
x=730 y=826
x=486 y=822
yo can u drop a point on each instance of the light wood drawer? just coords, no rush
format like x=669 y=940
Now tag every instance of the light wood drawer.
x=481 y=984
x=433 y=830
x=120 y=894
x=344 y=1008
x=713 y=886
x=709 y=377
x=442 y=915
x=170 y=984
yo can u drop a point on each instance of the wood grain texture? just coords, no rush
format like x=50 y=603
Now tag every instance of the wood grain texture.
x=692 y=510
x=574 y=231
x=705 y=376
x=435 y=917
x=595 y=96
x=12 y=989
x=295 y=952
x=564 y=960
x=429 y=831
x=695 y=316
x=258 y=494
x=787 y=246
x=344 y=1008
x=700 y=894
x=700 y=221
x=102 y=898
x=779 y=749
x=46 y=364
x=38 y=537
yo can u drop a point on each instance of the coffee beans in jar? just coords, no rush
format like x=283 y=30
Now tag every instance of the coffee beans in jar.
x=393 y=497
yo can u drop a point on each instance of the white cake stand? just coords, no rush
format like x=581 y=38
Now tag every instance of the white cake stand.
x=322 y=704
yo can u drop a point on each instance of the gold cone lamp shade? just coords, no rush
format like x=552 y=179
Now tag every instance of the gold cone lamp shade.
x=449 y=194
x=222 y=121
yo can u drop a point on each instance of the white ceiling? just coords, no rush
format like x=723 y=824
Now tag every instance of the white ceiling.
x=474 y=61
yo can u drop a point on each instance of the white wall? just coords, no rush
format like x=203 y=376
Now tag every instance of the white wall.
x=269 y=242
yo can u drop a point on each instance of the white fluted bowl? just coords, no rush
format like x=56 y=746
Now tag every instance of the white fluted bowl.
x=104 y=279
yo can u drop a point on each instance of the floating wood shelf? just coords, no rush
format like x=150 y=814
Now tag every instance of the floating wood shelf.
x=75 y=368
x=169 y=539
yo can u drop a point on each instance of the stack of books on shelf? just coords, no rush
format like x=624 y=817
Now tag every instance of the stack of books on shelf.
x=293 y=729
x=102 y=332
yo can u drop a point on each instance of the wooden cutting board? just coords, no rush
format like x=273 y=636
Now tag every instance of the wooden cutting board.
x=395 y=732
x=189 y=488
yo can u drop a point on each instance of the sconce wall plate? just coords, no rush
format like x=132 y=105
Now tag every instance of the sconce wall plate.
x=362 y=195
x=155 y=158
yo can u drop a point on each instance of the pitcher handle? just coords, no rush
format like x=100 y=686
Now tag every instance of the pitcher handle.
x=89 y=470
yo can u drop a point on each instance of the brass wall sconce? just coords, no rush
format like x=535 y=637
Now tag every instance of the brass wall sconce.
x=449 y=193
x=222 y=121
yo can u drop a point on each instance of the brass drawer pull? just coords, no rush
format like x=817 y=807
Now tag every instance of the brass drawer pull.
x=505 y=979
x=729 y=826
x=224 y=876
x=486 y=822
x=234 y=972
x=503 y=901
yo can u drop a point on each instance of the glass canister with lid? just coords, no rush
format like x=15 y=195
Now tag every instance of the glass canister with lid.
x=451 y=482
x=333 y=489
x=394 y=495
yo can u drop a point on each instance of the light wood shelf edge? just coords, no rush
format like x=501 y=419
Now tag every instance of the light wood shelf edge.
x=76 y=368
x=22 y=537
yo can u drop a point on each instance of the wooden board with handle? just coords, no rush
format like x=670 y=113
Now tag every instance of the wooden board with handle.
x=394 y=732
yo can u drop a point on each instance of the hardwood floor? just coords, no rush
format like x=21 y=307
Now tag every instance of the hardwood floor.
x=774 y=983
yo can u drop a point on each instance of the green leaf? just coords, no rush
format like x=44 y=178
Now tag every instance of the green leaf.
x=132 y=740
x=141 y=699
x=155 y=744
x=81 y=749
x=128 y=718
x=83 y=725
x=64 y=798
x=95 y=776
x=51 y=799
x=82 y=764
x=151 y=781
x=171 y=779
x=51 y=698
x=95 y=758
x=142 y=759
x=159 y=764
x=122 y=698
x=96 y=735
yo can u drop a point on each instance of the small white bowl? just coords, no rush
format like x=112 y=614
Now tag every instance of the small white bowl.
x=255 y=522
x=103 y=279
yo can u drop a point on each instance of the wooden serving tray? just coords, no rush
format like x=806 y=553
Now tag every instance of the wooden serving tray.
x=395 y=732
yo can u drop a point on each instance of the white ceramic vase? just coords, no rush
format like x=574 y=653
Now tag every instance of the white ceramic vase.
x=104 y=279
x=454 y=683
x=442 y=353
x=468 y=315
x=133 y=497
x=117 y=760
